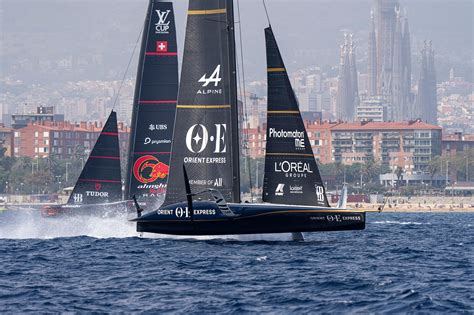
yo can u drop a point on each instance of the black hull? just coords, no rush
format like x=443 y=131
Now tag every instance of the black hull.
x=256 y=220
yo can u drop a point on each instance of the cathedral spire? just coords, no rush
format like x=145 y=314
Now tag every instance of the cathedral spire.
x=406 y=70
x=433 y=102
x=353 y=73
x=345 y=94
x=426 y=104
x=372 y=62
x=398 y=108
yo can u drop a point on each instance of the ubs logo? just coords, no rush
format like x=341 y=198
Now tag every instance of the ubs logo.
x=162 y=26
x=198 y=138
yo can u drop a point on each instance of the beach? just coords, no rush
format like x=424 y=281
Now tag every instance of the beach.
x=421 y=204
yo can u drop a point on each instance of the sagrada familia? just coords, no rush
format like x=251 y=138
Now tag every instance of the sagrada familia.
x=389 y=70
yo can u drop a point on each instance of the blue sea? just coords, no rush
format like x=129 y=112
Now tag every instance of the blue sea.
x=401 y=263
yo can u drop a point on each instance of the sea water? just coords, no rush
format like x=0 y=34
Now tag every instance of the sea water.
x=401 y=263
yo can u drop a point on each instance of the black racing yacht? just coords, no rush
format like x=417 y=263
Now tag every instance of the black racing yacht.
x=154 y=107
x=98 y=190
x=203 y=193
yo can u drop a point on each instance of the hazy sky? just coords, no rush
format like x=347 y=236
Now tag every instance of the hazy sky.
x=52 y=29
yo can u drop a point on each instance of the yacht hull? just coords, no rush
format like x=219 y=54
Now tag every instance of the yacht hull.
x=249 y=219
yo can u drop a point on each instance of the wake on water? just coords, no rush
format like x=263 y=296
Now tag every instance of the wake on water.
x=30 y=224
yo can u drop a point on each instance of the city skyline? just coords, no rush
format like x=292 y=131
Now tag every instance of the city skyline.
x=83 y=93
x=308 y=40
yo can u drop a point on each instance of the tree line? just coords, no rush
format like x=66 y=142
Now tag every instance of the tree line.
x=25 y=175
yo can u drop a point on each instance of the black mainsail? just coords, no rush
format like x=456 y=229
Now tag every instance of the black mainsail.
x=100 y=180
x=291 y=173
x=205 y=138
x=154 y=105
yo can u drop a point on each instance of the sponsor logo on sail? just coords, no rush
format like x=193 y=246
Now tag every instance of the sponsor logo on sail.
x=319 y=193
x=163 y=24
x=299 y=144
x=162 y=46
x=153 y=189
x=103 y=194
x=214 y=78
x=293 y=169
x=148 y=169
x=198 y=138
x=279 y=191
x=217 y=182
x=77 y=198
x=295 y=134
x=273 y=133
x=149 y=140
x=296 y=189
x=153 y=127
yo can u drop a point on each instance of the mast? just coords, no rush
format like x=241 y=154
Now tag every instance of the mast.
x=234 y=101
x=136 y=96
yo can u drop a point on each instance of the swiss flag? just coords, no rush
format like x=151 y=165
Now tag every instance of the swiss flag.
x=161 y=46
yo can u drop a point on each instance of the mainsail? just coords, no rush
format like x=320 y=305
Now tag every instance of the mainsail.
x=154 y=105
x=100 y=179
x=291 y=173
x=205 y=138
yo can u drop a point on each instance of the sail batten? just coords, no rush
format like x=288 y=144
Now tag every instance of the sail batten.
x=154 y=106
x=276 y=70
x=207 y=11
x=204 y=106
x=291 y=173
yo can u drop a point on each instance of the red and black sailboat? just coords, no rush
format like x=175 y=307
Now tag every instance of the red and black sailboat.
x=154 y=107
x=98 y=190
x=203 y=196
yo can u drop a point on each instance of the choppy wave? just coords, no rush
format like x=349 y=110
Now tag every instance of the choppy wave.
x=387 y=268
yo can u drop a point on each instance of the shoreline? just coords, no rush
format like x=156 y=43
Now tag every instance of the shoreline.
x=433 y=208
x=454 y=210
